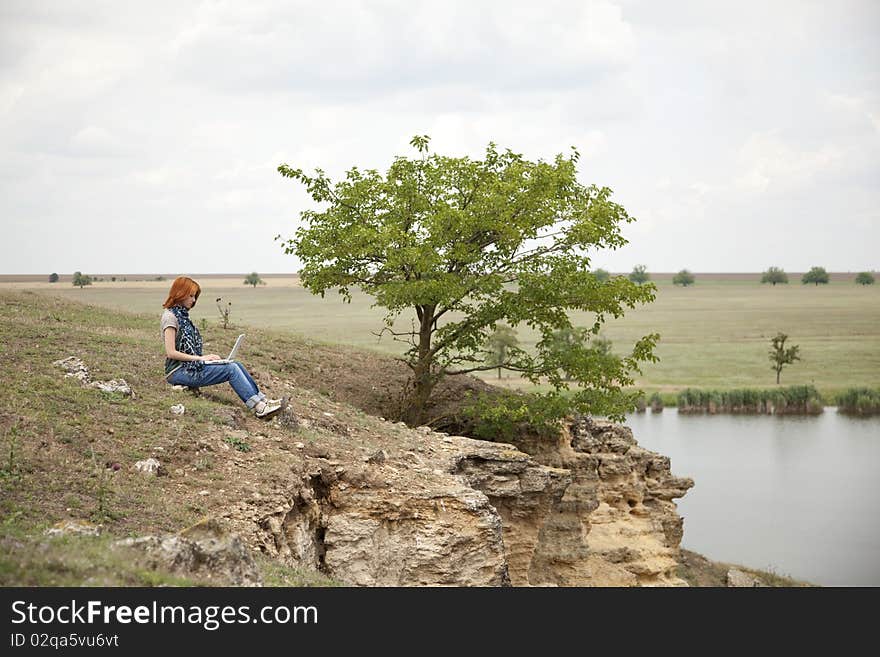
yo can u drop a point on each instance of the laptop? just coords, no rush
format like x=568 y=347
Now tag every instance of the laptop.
x=232 y=354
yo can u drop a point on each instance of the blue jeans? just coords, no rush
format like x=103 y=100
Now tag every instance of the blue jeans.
x=210 y=375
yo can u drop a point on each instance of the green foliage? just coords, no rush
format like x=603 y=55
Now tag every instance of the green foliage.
x=859 y=401
x=570 y=345
x=53 y=277
x=501 y=418
x=253 y=279
x=500 y=346
x=238 y=443
x=779 y=401
x=80 y=280
x=865 y=278
x=781 y=356
x=474 y=243
x=774 y=275
x=639 y=275
x=816 y=275
x=656 y=402
x=224 y=312
x=601 y=275
x=683 y=278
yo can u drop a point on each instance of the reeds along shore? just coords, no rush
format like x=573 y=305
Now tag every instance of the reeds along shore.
x=859 y=401
x=793 y=400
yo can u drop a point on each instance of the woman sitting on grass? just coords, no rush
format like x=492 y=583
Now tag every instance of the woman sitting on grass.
x=185 y=363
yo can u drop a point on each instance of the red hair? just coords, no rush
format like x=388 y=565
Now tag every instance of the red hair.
x=181 y=288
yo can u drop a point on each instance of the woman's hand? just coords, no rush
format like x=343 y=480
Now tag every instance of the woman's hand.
x=210 y=357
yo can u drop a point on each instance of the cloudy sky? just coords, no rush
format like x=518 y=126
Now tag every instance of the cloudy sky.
x=143 y=137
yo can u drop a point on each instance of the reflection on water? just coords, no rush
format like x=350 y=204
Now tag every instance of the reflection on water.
x=796 y=495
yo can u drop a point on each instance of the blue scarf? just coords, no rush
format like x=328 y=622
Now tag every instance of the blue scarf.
x=188 y=340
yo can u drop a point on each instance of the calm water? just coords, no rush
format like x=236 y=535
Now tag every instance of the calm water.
x=796 y=495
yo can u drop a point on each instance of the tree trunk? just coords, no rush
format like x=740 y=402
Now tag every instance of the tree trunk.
x=778 y=372
x=423 y=381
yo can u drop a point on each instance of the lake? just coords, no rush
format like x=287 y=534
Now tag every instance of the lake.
x=799 y=496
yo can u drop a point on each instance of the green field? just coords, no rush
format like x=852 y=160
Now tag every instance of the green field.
x=713 y=335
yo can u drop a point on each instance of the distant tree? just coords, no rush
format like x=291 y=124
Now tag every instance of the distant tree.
x=254 y=279
x=639 y=274
x=683 y=278
x=80 y=280
x=780 y=356
x=774 y=275
x=601 y=275
x=816 y=275
x=500 y=346
x=865 y=278
x=53 y=278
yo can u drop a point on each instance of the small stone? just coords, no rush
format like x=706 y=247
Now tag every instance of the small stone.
x=148 y=466
x=738 y=579
x=204 y=492
x=79 y=527
x=299 y=445
x=178 y=409
x=376 y=457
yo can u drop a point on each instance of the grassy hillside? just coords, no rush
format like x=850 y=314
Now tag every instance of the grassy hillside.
x=61 y=443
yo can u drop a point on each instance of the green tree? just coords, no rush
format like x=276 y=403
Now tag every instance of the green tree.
x=254 y=279
x=53 y=278
x=683 y=278
x=774 y=275
x=865 y=278
x=816 y=275
x=601 y=275
x=781 y=356
x=466 y=244
x=639 y=275
x=81 y=280
x=501 y=346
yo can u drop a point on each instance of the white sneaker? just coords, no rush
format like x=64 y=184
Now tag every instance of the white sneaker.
x=266 y=409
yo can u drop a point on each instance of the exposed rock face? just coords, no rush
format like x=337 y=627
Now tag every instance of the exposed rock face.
x=589 y=509
x=616 y=525
x=385 y=524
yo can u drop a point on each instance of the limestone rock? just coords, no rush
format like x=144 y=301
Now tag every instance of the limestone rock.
x=113 y=385
x=148 y=466
x=738 y=579
x=178 y=409
x=204 y=551
x=77 y=369
x=76 y=527
x=587 y=508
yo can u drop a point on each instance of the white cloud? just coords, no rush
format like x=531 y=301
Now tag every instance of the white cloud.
x=769 y=161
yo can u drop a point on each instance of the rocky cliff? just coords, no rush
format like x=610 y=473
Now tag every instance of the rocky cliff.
x=589 y=509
